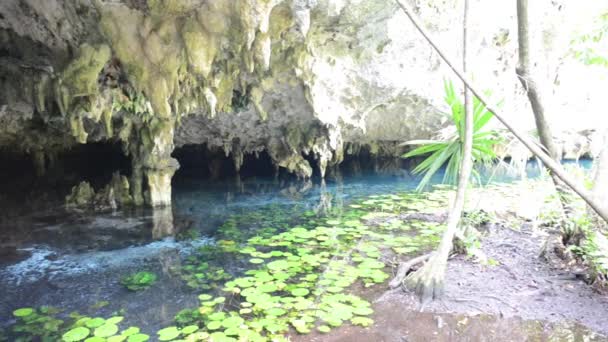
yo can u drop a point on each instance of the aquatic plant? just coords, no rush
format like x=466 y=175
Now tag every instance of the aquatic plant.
x=37 y=322
x=139 y=281
x=447 y=148
x=42 y=324
x=298 y=276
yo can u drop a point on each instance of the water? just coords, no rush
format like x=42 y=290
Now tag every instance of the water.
x=75 y=261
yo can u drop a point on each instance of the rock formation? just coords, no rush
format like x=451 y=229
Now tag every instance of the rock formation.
x=299 y=79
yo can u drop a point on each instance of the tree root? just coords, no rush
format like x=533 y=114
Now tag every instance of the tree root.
x=404 y=267
x=428 y=281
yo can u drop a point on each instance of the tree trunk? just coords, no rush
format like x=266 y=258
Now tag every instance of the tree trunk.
x=600 y=181
x=429 y=279
x=535 y=149
x=529 y=82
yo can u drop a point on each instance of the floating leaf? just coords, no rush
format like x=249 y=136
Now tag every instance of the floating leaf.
x=76 y=334
x=117 y=338
x=95 y=339
x=23 y=312
x=106 y=330
x=204 y=297
x=232 y=322
x=114 y=320
x=364 y=311
x=362 y=321
x=168 y=333
x=130 y=331
x=95 y=322
x=300 y=292
x=138 y=338
x=189 y=329
x=324 y=329
x=214 y=325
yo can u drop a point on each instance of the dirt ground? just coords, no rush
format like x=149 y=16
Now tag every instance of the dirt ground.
x=520 y=299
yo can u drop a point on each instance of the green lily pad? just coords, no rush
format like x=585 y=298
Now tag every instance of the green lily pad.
x=76 y=334
x=204 y=297
x=220 y=337
x=95 y=339
x=214 y=325
x=299 y=292
x=138 y=338
x=189 y=329
x=23 y=312
x=324 y=329
x=106 y=330
x=278 y=265
x=130 y=331
x=115 y=320
x=364 y=311
x=95 y=322
x=168 y=333
x=256 y=261
x=117 y=338
x=276 y=312
x=232 y=322
x=362 y=321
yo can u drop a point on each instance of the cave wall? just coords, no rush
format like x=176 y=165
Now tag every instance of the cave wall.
x=298 y=79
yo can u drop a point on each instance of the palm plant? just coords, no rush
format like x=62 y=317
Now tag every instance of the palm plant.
x=448 y=145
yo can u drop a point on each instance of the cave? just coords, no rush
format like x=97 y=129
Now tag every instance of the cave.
x=231 y=170
x=42 y=180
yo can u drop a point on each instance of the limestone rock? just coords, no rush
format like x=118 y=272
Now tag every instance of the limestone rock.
x=300 y=79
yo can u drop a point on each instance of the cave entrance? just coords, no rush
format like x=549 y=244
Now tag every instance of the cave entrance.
x=199 y=161
x=42 y=180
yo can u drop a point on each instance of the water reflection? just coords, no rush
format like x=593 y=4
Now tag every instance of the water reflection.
x=162 y=222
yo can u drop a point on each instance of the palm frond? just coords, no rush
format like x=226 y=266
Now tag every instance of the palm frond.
x=447 y=149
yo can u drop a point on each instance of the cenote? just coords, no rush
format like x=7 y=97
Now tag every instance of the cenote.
x=303 y=170
x=276 y=254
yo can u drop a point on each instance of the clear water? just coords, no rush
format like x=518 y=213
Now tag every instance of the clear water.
x=75 y=260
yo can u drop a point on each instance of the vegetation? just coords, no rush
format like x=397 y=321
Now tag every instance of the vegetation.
x=302 y=284
x=139 y=281
x=590 y=47
x=447 y=149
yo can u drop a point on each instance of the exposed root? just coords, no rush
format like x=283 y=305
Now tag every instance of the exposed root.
x=428 y=281
x=404 y=267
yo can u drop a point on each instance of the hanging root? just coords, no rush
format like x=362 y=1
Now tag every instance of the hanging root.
x=428 y=281
x=405 y=267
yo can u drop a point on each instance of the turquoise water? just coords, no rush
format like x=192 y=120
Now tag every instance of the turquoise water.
x=75 y=261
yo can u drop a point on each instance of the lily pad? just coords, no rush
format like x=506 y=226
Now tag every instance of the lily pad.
x=130 y=331
x=232 y=322
x=106 y=330
x=364 y=311
x=95 y=322
x=299 y=292
x=76 y=334
x=324 y=329
x=23 y=312
x=95 y=339
x=115 y=320
x=204 y=297
x=214 y=325
x=189 y=329
x=138 y=338
x=168 y=334
x=362 y=321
